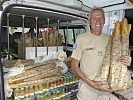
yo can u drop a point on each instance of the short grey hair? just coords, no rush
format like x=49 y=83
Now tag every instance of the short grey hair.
x=96 y=9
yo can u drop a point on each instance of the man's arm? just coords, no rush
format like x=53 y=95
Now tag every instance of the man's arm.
x=77 y=70
x=97 y=85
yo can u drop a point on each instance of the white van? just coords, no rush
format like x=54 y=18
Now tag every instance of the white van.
x=68 y=17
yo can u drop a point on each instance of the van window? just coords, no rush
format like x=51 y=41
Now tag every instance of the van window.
x=79 y=31
x=73 y=33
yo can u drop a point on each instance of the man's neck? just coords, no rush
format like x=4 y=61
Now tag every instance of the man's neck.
x=96 y=33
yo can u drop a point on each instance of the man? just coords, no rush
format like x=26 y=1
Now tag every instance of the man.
x=89 y=52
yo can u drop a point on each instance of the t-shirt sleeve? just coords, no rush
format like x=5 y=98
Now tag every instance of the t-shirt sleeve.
x=77 y=49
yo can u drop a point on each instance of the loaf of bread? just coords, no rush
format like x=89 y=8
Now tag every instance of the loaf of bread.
x=112 y=70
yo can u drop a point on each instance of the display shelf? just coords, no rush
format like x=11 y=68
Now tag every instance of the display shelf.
x=63 y=88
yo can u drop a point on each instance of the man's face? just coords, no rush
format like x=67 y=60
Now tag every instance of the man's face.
x=97 y=21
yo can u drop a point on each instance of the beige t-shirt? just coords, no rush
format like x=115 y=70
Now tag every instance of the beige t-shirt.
x=90 y=51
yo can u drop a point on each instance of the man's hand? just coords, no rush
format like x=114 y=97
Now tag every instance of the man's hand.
x=101 y=86
x=126 y=60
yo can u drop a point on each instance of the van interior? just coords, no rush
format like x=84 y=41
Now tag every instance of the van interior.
x=67 y=24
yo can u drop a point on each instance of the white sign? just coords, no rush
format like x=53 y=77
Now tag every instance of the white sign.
x=30 y=51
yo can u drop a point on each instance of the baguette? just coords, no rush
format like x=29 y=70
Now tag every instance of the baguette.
x=35 y=82
x=125 y=27
x=30 y=73
x=48 y=73
x=112 y=70
x=117 y=29
x=119 y=78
